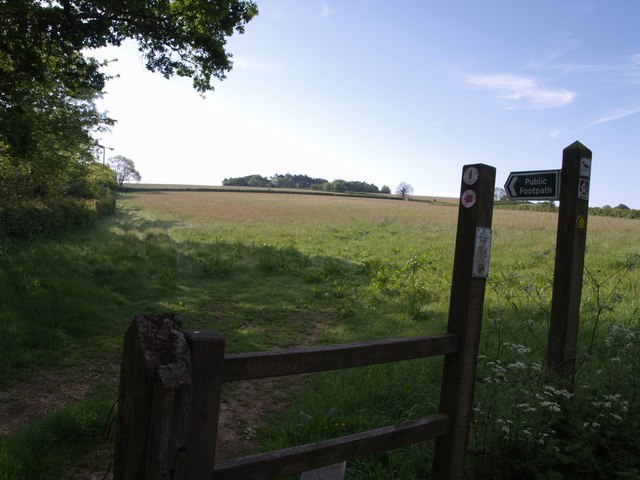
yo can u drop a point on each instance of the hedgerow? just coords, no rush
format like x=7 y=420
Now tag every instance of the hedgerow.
x=39 y=218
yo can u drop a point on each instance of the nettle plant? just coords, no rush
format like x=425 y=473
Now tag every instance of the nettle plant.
x=414 y=282
x=531 y=425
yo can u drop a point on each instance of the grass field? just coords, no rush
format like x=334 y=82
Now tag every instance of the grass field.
x=271 y=271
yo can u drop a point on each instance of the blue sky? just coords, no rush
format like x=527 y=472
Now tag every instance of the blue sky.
x=385 y=92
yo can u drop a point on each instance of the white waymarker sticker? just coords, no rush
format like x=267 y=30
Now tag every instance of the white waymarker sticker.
x=468 y=198
x=583 y=189
x=471 y=175
x=585 y=167
x=482 y=253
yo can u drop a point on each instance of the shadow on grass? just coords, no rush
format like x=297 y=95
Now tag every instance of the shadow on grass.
x=70 y=300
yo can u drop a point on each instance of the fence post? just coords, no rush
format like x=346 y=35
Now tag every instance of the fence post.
x=154 y=400
x=569 y=263
x=470 y=269
x=207 y=361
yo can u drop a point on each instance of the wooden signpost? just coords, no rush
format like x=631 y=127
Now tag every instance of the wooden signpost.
x=569 y=265
x=573 y=194
x=470 y=270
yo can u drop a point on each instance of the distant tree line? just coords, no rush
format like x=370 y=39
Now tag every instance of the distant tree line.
x=621 y=211
x=501 y=200
x=304 y=182
x=595 y=211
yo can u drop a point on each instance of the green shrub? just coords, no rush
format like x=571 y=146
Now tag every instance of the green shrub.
x=36 y=218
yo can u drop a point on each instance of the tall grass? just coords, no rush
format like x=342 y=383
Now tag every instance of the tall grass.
x=271 y=271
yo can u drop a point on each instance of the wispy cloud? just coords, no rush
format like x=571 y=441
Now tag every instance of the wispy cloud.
x=563 y=44
x=326 y=10
x=555 y=134
x=626 y=70
x=522 y=92
x=615 y=115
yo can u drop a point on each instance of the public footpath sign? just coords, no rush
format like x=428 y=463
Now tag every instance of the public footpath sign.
x=537 y=185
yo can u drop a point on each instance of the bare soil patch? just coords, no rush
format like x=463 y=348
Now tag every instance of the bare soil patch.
x=30 y=400
x=244 y=409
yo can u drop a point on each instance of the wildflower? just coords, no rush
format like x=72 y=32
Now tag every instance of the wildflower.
x=525 y=407
x=490 y=380
x=527 y=433
x=249 y=433
x=542 y=438
x=517 y=366
x=551 y=406
x=519 y=349
x=551 y=391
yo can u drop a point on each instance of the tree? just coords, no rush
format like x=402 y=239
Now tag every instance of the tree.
x=258 y=181
x=49 y=85
x=183 y=37
x=47 y=113
x=404 y=189
x=125 y=169
x=385 y=189
x=235 y=182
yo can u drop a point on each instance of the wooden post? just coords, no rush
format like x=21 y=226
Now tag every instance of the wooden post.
x=207 y=361
x=470 y=269
x=569 y=263
x=154 y=400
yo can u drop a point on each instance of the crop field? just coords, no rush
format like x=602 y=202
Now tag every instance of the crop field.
x=270 y=271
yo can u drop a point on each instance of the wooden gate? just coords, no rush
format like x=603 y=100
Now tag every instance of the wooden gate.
x=171 y=380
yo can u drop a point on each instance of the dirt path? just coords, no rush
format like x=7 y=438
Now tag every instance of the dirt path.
x=27 y=401
x=244 y=409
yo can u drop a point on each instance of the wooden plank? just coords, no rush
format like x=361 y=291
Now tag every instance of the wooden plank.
x=465 y=319
x=207 y=362
x=243 y=366
x=569 y=262
x=306 y=457
x=153 y=380
x=169 y=424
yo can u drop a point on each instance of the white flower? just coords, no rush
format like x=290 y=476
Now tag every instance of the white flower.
x=542 y=438
x=525 y=407
x=526 y=433
x=517 y=366
x=519 y=349
x=551 y=406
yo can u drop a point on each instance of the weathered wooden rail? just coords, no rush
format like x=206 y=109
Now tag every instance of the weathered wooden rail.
x=171 y=380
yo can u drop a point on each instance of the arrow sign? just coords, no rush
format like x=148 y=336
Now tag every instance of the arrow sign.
x=538 y=185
